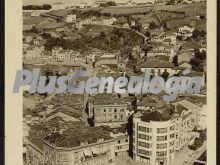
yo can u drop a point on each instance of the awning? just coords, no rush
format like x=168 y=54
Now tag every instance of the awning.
x=87 y=152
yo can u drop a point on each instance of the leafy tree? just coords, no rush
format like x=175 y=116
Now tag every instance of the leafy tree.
x=152 y=26
x=147 y=34
x=46 y=35
x=175 y=60
x=165 y=75
x=46 y=7
x=33 y=30
x=198 y=61
x=102 y=34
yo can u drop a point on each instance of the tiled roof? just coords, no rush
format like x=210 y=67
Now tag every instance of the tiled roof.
x=75 y=137
x=155 y=116
x=156 y=64
x=191 y=45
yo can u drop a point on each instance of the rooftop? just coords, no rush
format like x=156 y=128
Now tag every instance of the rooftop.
x=156 y=115
x=156 y=64
x=75 y=137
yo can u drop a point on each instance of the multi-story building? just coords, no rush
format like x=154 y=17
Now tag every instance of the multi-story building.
x=183 y=125
x=108 y=109
x=70 y=143
x=153 y=137
x=121 y=139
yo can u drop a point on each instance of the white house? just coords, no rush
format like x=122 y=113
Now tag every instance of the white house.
x=57 y=6
x=71 y=18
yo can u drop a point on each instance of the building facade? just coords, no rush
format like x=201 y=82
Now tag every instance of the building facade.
x=153 y=138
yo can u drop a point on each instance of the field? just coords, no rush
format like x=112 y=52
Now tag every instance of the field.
x=190 y=9
x=93 y=30
x=126 y=10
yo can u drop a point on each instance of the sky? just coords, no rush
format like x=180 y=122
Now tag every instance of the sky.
x=66 y=2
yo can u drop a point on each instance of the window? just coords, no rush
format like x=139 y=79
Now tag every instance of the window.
x=172 y=127
x=115 y=110
x=119 y=141
x=162 y=153
x=97 y=110
x=161 y=146
x=172 y=136
x=171 y=151
x=144 y=152
x=142 y=136
x=161 y=138
x=104 y=110
x=161 y=130
x=140 y=128
x=143 y=144
x=115 y=116
x=172 y=143
x=121 y=117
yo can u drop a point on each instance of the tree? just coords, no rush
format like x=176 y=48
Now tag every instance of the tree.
x=198 y=61
x=147 y=34
x=175 y=60
x=152 y=26
x=165 y=75
x=198 y=33
x=46 y=35
x=102 y=34
x=46 y=7
x=33 y=30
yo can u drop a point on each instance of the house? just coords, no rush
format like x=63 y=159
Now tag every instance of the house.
x=148 y=103
x=185 y=57
x=157 y=67
x=57 y=6
x=109 y=21
x=84 y=5
x=191 y=45
x=120 y=135
x=160 y=50
x=32 y=53
x=171 y=36
x=71 y=18
x=157 y=35
x=183 y=118
x=108 y=109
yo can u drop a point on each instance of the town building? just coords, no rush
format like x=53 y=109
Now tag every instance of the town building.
x=184 y=124
x=121 y=137
x=108 y=109
x=153 y=137
x=158 y=67
x=58 y=142
x=71 y=18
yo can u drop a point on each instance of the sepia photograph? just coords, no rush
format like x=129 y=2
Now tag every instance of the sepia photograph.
x=114 y=82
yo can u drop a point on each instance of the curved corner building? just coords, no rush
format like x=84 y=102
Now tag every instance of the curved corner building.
x=153 y=138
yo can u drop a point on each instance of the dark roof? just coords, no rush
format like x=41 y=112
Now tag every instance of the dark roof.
x=107 y=99
x=75 y=137
x=156 y=64
x=155 y=116
x=191 y=45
